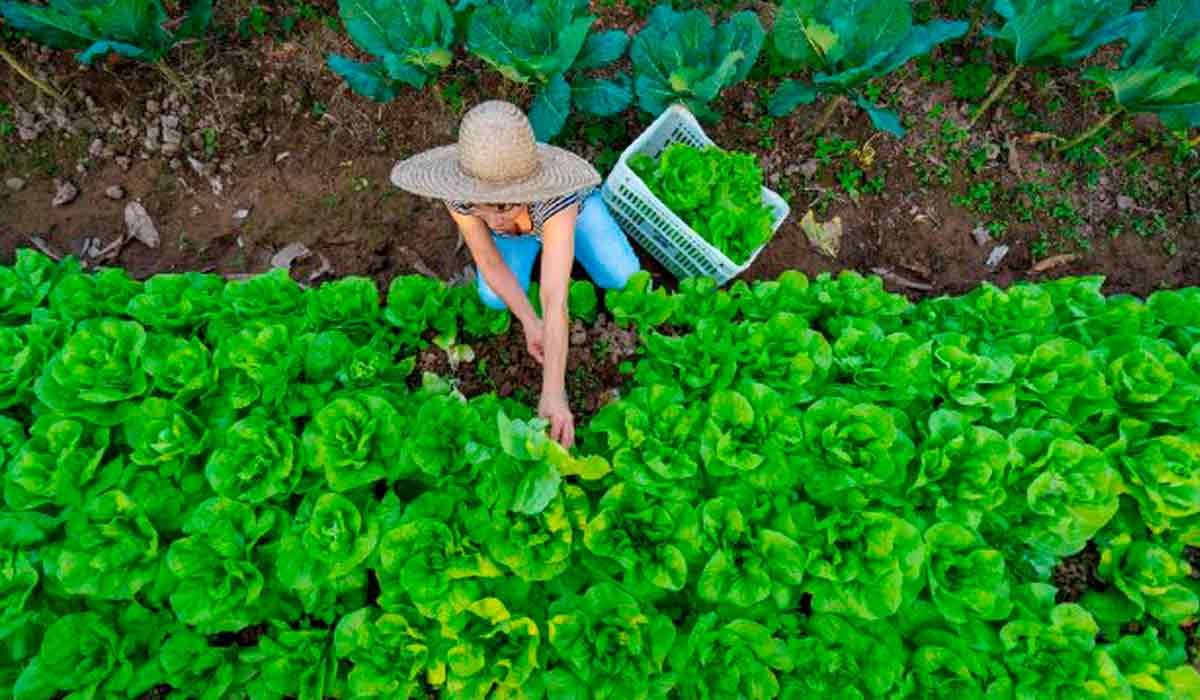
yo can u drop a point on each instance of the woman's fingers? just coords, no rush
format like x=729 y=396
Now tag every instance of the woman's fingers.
x=562 y=430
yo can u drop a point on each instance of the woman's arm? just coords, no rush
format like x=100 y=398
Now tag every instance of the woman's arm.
x=558 y=254
x=493 y=268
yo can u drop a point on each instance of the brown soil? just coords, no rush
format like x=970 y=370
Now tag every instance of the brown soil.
x=247 y=637
x=1076 y=575
x=310 y=161
x=502 y=365
x=158 y=692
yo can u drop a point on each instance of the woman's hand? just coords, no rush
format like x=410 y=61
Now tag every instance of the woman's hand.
x=535 y=339
x=562 y=423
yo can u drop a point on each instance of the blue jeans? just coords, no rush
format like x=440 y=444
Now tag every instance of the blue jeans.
x=600 y=246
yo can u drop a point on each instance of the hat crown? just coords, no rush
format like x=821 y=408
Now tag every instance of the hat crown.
x=496 y=143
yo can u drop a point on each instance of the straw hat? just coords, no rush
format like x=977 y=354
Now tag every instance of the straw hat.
x=496 y=161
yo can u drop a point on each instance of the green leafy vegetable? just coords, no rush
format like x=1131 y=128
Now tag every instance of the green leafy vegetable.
x=717 y=193
x=682 y=57
x=540 y=43
x=847 y=44
x=131 y=28
x=409 y=39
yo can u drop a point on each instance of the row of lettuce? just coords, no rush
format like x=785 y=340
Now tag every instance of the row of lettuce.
x=808 y=489
x=837 y=48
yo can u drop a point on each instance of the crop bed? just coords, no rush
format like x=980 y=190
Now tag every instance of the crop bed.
x=805 y=488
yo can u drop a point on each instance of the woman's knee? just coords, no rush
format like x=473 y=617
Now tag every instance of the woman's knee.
x=618 y=271
x=489 y=298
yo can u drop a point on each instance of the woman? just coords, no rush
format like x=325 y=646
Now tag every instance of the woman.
x=511 y=197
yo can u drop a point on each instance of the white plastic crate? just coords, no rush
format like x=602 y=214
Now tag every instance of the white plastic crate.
x=651 y=223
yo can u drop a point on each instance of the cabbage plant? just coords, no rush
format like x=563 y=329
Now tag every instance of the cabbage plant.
x=847 y=43
x=409 y=40
x=683 y=57
x=547 y=45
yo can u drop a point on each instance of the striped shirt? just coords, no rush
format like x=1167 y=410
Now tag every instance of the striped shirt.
x=539 y=212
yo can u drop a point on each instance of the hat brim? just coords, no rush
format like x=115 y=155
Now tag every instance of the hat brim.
x=436 y=173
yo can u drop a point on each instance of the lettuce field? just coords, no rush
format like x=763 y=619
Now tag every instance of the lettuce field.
x=809 y=488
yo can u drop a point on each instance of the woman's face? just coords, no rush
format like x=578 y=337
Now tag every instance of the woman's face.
x=501 y=218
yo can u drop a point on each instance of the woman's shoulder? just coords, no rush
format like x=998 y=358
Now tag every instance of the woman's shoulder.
x=547 y=208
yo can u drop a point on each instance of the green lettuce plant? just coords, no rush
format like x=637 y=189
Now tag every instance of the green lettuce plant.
x=1070 y=489
x=350 y=304
x=540 y=43
x=1143 y=667
x=491 y=652
x=893 y=367
x=166 y=437
x=97 y=653
x=682 y=57
x=843 y=656
x=423 y=562
x=292 y=663
x=255 y=460
x=325 y=554
x=409 y=40
x=862 y=564
x=24 y=351
x=790 y=293
x=414 y=304
x=963 y=472
x=333 y=361
x=27 y=283
x=1050 y=653
x=78 y=296
x=639 y=304
x=649 y=541
x=783 y=352
x=717 y=193
x=729 y=658
x=62 y=463
x=967 y=578
x=272 y=298
x=355 y=440
x=854 y=453
x=606 y=622
x=539 y=546
x=977 y=381
x=848 y=44
x=1150 y=577
x=748 y=564
x=257 y=364
x=700 y=362
x=1176 y=314
x=111 y=550
x=177 y=302
x=1161 y=475
x=24 y=614
x=392 y=653
x=452 y=429
x=98 y=368
x=951 y=659
x=187 y=660
x=221 y=567
x=1150 y=380
x=652 y=435
x=1062 y=376
x=179 y=368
